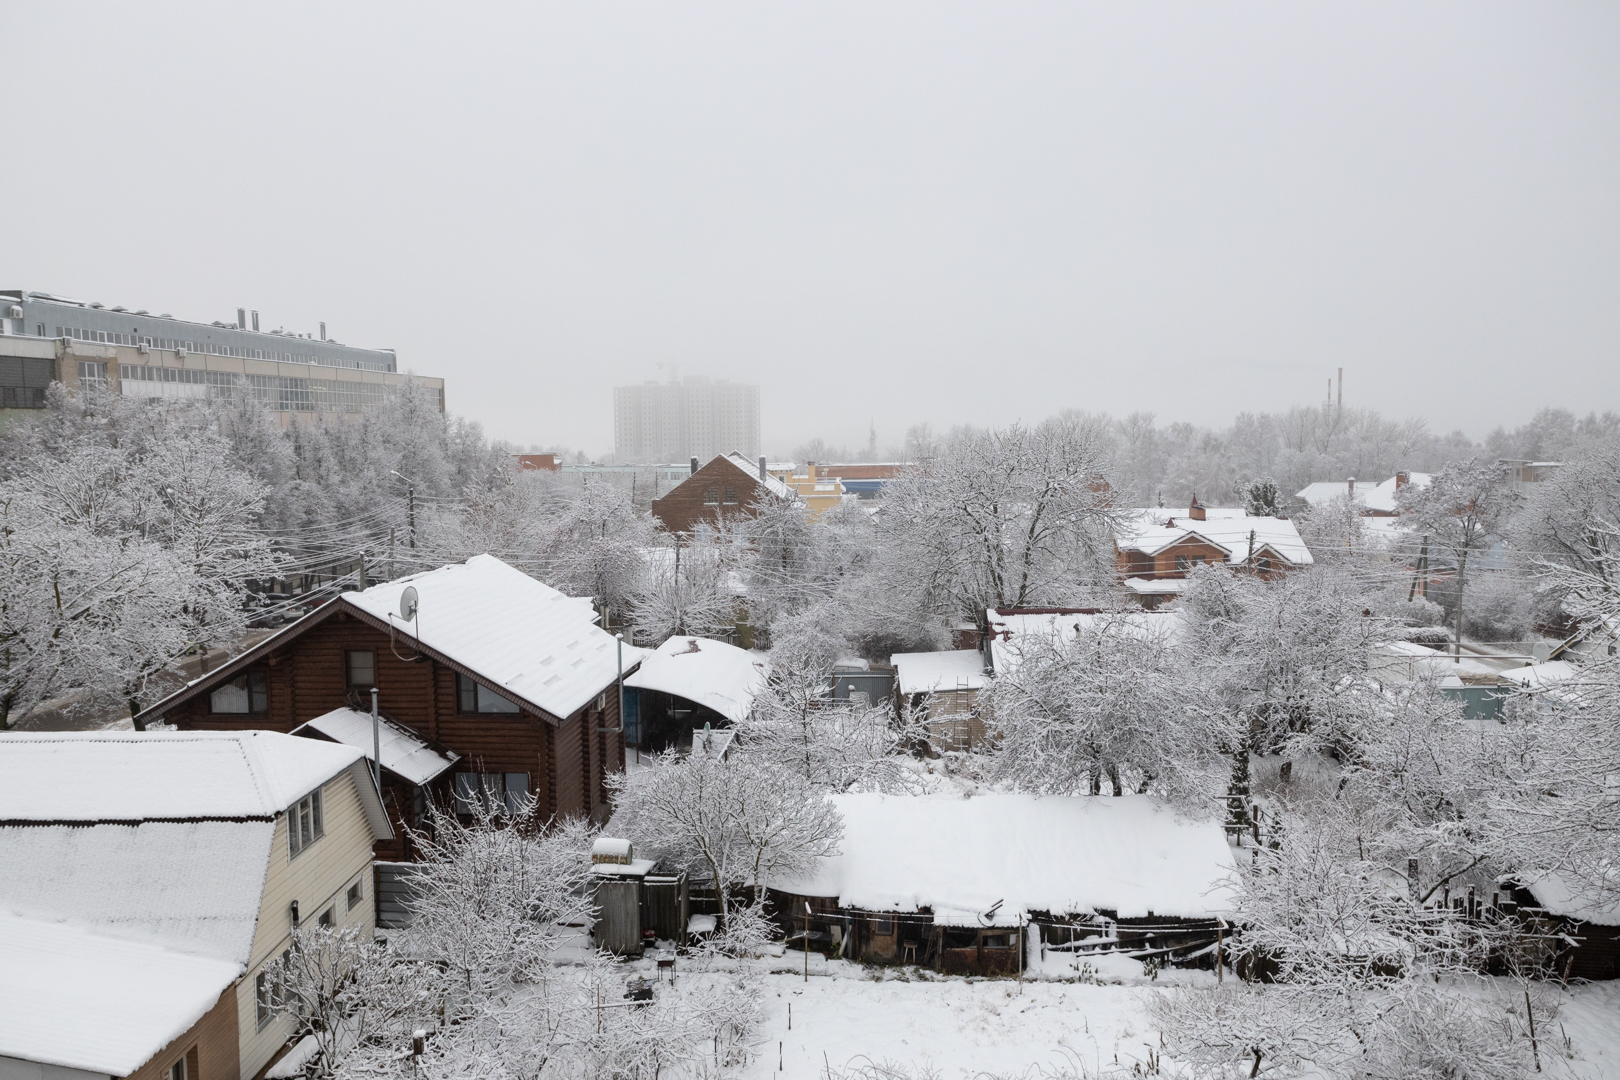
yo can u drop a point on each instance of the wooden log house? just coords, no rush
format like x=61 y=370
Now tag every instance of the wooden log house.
x=500 y=673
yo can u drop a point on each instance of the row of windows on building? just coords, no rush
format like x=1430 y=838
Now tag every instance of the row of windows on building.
x=249 y=692
x=105 y=337
x=279 y=393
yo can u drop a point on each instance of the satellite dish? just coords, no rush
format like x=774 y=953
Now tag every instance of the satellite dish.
x=407 y=603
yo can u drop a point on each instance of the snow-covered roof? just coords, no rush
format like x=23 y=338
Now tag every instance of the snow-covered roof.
x=1562 y=895
x=1012 y=632
x=519 y=635
x=1151 y=531
x=1541 y=676
x=404 y=753
x=191 y=886
x=772 y=483
x=712 y=673
x=1155 y=586
x=1376 y=498
x=135 y=776
x=81 y=1000
x=159 y=837
x=1408 y=660
x=1064 y=855
x=929 y=672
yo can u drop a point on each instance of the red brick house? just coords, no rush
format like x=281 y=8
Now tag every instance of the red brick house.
x=726 y=487
x=502 y=677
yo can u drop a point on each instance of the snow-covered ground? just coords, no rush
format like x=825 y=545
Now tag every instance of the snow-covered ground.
x=957 y=1028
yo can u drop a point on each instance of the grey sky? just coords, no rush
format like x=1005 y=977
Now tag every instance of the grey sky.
x=952 y=213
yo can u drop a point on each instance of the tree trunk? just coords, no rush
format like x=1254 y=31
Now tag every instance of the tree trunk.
x=1462 y=568
x=134 y=715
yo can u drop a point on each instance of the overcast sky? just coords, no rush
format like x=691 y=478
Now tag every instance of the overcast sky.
x=878 y=211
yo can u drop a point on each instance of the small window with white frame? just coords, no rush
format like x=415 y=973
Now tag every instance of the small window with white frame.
x=306 y=823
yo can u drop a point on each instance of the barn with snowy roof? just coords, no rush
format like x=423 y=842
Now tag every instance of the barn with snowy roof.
x=964 y=884
x=494 y=687
x=151 y=880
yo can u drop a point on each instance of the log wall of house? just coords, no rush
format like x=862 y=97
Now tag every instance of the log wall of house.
x=566 y=761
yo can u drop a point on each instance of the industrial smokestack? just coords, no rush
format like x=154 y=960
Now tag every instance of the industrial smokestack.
x=323 y=331
x=255 y=321
x=763 y=472
x=241 y=318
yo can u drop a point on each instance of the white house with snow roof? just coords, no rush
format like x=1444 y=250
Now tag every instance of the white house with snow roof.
x=1373 y=499
x=150 y=882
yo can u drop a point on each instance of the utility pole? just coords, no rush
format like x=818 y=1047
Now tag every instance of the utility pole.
x=1341 y=391
x=410 y=514
x=391 y=574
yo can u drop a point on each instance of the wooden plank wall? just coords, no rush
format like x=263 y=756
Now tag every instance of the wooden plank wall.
x=566 y=762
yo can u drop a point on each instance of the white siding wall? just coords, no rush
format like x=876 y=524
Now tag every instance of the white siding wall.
x=318 y=878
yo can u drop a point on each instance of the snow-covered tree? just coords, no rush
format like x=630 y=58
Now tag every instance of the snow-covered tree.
x=1108 y=704
x=1458 y=512
x=739 y=822
x=834 y=745
x=688 y=586
x=121 y=555
x=1004 y=518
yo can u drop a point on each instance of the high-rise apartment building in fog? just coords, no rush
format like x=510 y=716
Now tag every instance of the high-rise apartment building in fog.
x=691 y=417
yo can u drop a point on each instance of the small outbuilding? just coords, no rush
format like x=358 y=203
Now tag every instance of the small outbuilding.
x=968 y=884
x=941 y=689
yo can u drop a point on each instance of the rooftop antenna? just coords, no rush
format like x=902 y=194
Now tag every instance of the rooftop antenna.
x=409 y=610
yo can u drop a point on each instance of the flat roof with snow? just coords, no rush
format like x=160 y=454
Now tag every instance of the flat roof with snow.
x=1014 y=633
x=1065 y=855
x=934 y=672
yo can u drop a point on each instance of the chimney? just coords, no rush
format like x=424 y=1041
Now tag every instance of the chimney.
x=323 y=331
x=810 y=471
x=694 y=466
x=764 y=473
x=241 y=318
x=1195 y=511
x=1352 y=487
x=255 y=322
x=1401 y=479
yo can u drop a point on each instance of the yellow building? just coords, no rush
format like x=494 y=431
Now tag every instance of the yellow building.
x=819 y=493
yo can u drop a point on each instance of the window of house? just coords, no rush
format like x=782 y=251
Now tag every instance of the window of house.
x=882 y=927
x=711 y=497
x=362 y=670
x=731 y=496
x=261 y=997
x=247 y=693
x=1182 y=563
x=305 y=823
x=474 y=697
x=1263 y=563
x=354 y=895
x=326 y=920
x=177 y=1071
x=504 y=793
